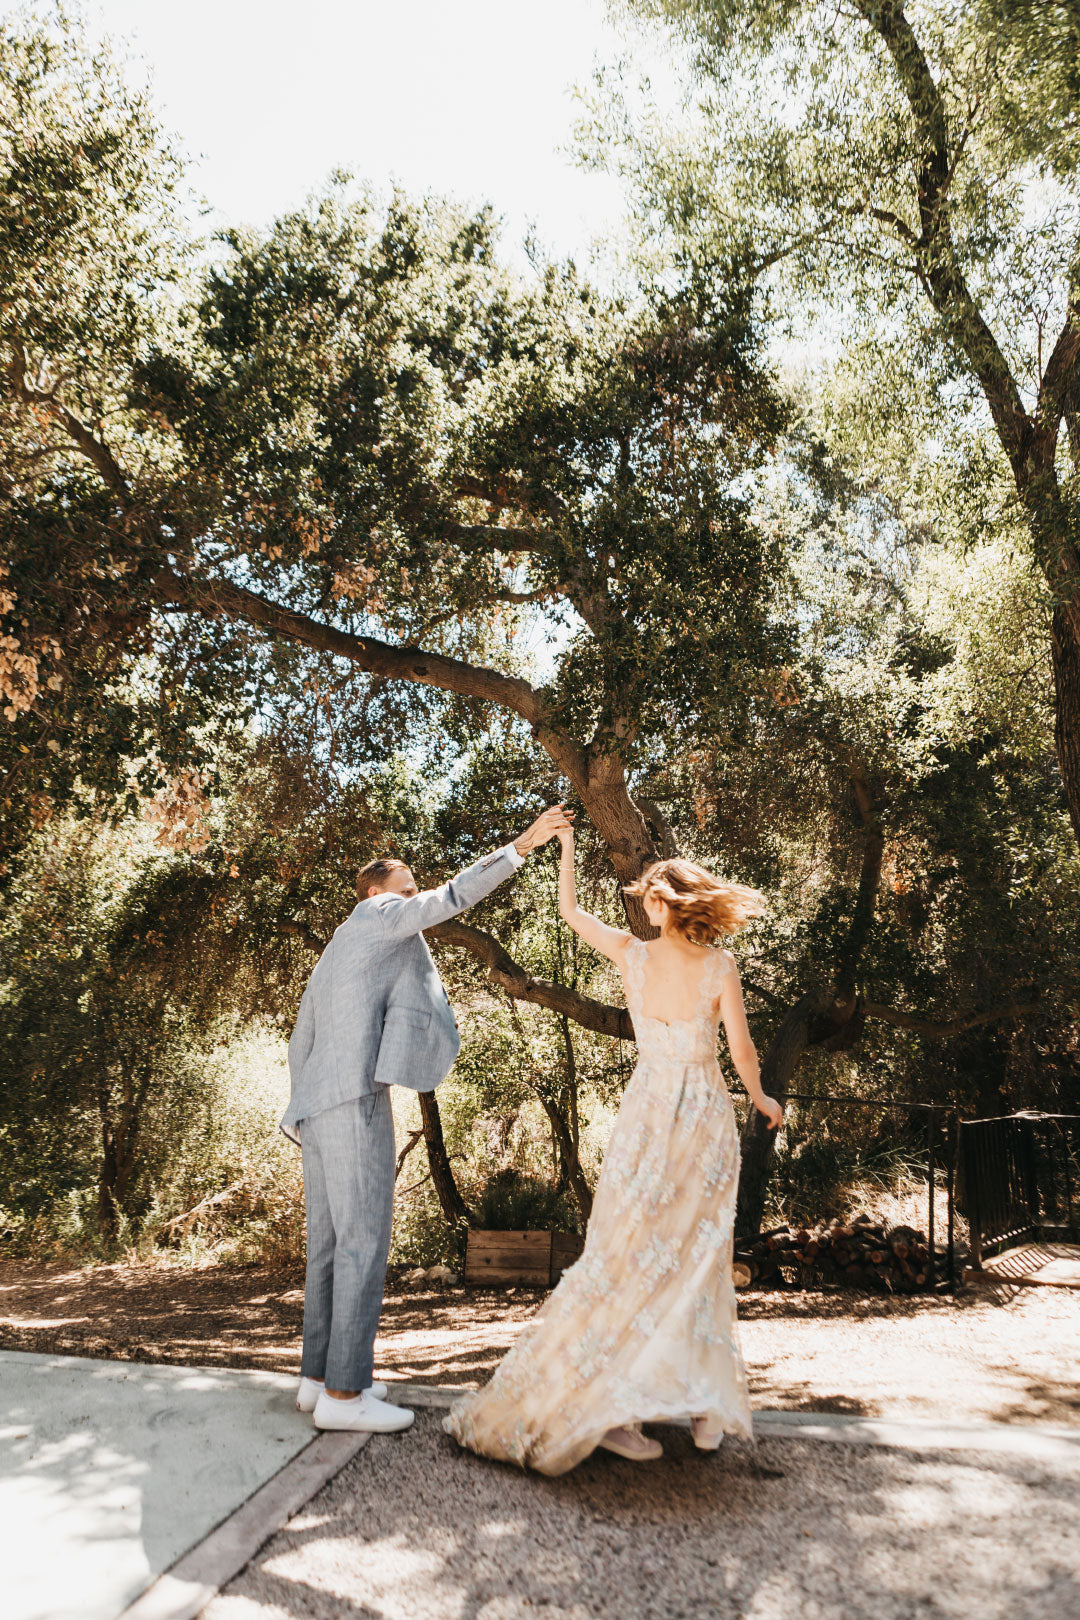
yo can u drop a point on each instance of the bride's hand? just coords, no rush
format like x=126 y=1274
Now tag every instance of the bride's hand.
x=544 y=827
x=772 y=1110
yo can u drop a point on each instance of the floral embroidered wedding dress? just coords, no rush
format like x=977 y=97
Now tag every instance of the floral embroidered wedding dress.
x=643 y=1326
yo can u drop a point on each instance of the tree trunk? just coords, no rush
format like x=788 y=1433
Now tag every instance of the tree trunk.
x=578 y=1184
x=820 y=1018
x=107 y=1208
x=758 y=1142
x=568 y=1160
x=623 y=828
x=829 y=1017
x=1065 y=656
x=442 y=1174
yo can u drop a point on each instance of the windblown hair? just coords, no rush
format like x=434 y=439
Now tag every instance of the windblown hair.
x=376 y=872
x=701 y=906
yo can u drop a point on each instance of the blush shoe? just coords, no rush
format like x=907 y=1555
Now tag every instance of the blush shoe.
x=311 y=1388
x=705 y=1439
x=630 y=1442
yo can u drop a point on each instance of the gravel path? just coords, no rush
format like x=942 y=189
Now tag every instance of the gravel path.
x=787 y=1530
x=1004 y=1356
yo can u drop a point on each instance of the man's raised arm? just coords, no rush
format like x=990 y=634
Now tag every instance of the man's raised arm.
x=410 y=914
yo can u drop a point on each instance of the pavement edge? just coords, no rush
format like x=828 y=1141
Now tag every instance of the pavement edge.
x=183 y=1591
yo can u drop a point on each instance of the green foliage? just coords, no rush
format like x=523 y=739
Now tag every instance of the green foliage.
x=513 y=1200
x=817 y=143
x=739 y=596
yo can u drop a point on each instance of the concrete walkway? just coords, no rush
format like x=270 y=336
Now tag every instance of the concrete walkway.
x=110 y=1471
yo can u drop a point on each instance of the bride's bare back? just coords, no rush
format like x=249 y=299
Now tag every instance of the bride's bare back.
x=677 y=977
x=674 y=979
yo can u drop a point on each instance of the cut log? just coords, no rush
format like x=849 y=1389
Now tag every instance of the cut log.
x=861 y=1252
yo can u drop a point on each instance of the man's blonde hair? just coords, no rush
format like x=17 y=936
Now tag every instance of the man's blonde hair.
x=376 y=872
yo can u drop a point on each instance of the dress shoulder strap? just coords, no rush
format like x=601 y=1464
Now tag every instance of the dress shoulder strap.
x=634 y=969
x=722 y=964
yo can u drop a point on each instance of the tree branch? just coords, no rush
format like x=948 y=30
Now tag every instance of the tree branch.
x=934 y=248
x=768 y=996
x=952 y=1026
x=307 y=935
x=659 y=826
x=377 y=657
x=541 y=594
x=1059 y=380
x=493 y=537
x=862 y=917
x=414 y=1137
x=93 y=448
x=521 y=986
x=504 y=972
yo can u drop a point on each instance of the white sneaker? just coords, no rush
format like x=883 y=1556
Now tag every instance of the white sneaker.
x=363 y=1413
x=311 y=1388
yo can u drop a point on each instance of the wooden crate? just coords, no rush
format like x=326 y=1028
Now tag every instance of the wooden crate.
x=537 y=1259
x=508 y=1257
x=566 y=1247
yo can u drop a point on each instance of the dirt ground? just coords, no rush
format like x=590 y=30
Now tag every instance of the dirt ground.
x=1005 y=1354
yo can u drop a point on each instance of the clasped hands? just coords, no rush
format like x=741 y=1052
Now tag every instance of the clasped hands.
x=557 y=820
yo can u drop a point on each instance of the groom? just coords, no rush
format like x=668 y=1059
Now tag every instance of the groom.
x=374 y=1014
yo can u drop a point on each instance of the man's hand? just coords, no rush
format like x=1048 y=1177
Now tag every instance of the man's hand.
x=557 y=819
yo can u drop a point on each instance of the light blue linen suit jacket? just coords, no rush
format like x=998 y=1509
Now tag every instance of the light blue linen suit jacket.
x=374 y=1012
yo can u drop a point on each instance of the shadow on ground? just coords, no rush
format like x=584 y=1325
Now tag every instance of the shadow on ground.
x=416 y=1530
x=996 y=1353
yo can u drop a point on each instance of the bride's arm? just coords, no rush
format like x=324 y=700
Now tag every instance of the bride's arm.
x=741 y=1046
x=611 y=941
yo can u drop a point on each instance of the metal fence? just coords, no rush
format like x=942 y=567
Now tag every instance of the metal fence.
x=1021 y=1177
x=942 y=1142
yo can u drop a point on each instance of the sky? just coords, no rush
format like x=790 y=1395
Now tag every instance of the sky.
x=467 y=98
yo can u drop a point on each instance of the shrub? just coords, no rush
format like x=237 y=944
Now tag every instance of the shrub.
x=513 y=1200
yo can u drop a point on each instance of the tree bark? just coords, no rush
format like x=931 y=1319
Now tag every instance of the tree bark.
x=1065 y=655
x=1029 y=440
x=442 y=1173
x=829 y=1016
x=758 y=1142
x=106 y=1202
x=578 y=1184
x=521 y=986
x=597 y=770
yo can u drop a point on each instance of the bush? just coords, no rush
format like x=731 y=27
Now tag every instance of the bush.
x=515 y=1201
x=422 y=1235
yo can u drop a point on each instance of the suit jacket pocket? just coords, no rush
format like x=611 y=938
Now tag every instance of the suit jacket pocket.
x=417 y=1047
x=410 y=1017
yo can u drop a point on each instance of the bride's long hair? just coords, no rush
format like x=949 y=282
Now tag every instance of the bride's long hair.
x=701 y=906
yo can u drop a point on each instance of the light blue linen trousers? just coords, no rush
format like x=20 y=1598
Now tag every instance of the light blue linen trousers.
x=349 y=1163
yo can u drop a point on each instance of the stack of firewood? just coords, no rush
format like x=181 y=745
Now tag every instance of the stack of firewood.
x=859 y=1252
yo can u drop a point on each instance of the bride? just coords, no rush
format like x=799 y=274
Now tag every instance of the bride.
x=643 y=1327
